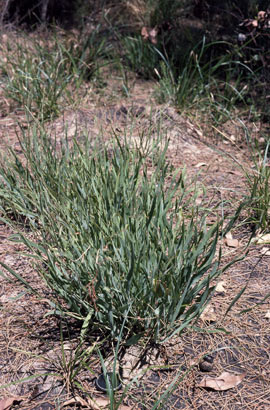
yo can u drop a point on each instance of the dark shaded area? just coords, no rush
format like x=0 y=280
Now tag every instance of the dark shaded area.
x=31 y=13
x=206 y=9
x=226 y=13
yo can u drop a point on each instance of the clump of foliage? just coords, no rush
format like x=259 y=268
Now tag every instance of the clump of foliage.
x=257 y=181
x=112 y=239
x=40 y=75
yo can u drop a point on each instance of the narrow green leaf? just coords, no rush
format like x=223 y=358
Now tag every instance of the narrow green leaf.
x=85 y=324
x=133 y=340
x=235 y=299
x=19 y=277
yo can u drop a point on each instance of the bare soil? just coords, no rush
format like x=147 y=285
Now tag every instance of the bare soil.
x=32 y=364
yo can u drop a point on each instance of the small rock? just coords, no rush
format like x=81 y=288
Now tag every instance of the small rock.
x=209 y=358
x=205 y=366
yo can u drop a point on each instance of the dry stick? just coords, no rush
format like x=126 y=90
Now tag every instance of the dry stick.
x=5 y=9
x=44 y=9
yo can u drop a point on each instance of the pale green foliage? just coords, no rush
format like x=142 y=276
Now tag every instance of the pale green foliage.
x=258 y=180
x=212 y=87
x=36 y=77
x=41 y=75
x=113 y=241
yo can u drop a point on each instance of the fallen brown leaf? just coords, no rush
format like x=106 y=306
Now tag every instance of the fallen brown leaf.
x=267 y=315
x=228 y=235
x=7 y=402
x=235 y=173
x=209 y=315
x=220 y=287
x=261 y=239
x=200 y=164
x=265 y=251
x=98 y=403
x=232 y=243
x=193 y=362
x=74 y=400
x=223 y=382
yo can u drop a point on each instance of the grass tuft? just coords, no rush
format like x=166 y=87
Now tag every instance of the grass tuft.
x=40 y=75
x=117 y=237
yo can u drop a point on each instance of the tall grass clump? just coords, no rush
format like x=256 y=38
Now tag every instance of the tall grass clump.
x=35 y=77
x=140 y=56
x=258 y=181
x=41 y=74
x=116 y=235
x=206 y=82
